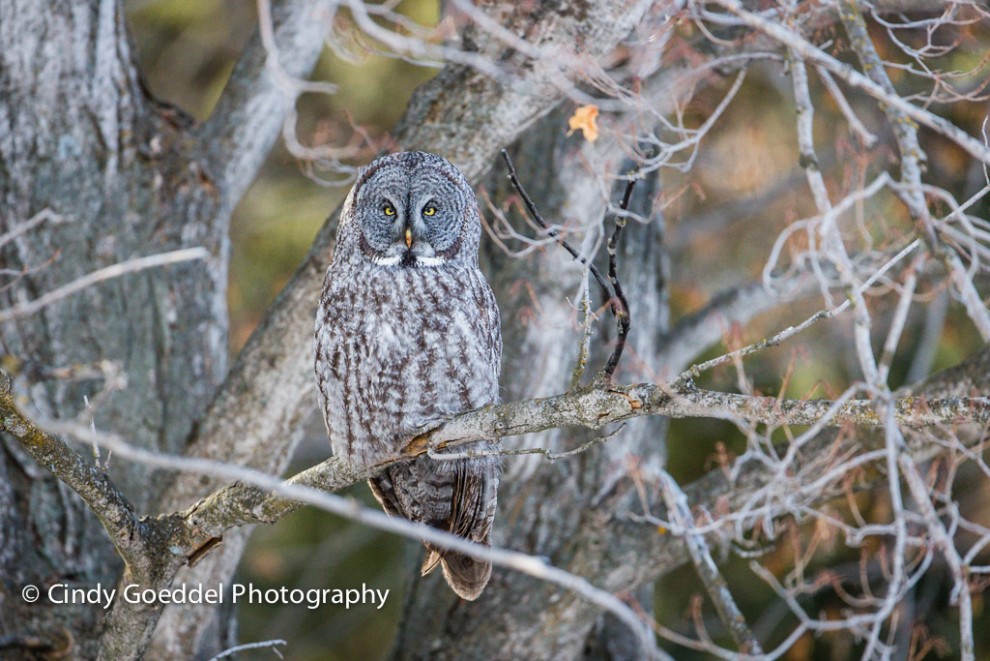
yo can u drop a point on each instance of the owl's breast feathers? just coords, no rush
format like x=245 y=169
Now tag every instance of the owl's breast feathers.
x=399 y=348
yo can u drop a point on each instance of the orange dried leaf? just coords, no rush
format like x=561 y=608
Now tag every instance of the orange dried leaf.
x=585 y=118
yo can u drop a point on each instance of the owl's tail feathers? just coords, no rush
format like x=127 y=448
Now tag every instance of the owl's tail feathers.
x=472 y=509
x=465 y=575
x=430 y=562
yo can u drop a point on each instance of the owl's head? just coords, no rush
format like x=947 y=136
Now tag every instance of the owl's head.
x=410 y=210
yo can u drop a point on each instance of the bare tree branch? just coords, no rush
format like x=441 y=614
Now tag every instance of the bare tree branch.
x=255 y=497
x=246 y=121
x=812 y=53
x=236 y=505
x=701 y=556
x=912 y=155
x=598 y=406
x=93 y=485
x=19 y=229
x=106 y=273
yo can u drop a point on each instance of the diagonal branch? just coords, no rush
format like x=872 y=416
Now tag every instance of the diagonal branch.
x=555 y=233
x=701 y=555
x=111 y=507
x=247 y=119
x=594 y=407
x=186 y=537
x=101 y=275
x=615 y=297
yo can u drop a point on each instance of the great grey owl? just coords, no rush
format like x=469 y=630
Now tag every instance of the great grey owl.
x=407 y=332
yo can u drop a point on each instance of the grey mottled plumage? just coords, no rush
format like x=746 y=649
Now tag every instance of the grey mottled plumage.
x=408 y=332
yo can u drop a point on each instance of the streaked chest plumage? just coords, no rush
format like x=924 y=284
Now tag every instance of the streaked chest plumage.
x=399 y=348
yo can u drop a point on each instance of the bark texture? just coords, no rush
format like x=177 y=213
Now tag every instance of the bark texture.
x=124 y=177
x=79 y=137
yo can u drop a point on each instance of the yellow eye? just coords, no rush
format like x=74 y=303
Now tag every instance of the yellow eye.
x=389 y=211
x=429 y=211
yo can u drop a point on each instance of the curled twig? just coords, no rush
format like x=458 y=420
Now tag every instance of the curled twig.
x=622 y=318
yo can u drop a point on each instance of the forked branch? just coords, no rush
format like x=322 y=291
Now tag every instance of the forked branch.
x=613 y=294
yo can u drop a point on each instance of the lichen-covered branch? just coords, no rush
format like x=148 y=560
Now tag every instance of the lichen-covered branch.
x=235 y=505
x=596 y=406
x=238 y=504
x=185 y=538
x=111 y=507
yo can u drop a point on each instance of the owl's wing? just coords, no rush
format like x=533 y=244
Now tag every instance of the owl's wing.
x=491 y=328
x=384 y=493
x=473 y=491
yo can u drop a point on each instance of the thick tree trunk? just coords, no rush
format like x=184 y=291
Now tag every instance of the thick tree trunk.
x=79 y=137
x=125 y=177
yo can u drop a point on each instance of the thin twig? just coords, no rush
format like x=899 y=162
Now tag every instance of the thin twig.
x=622 y=318
x=854 y=78
x=555 y=234
x=106 y=273
x=704 y=564
x=584 y=348
x=29 y=224
x=615 y=297
x=269 y=644
x=696 y=370
x=547 y=453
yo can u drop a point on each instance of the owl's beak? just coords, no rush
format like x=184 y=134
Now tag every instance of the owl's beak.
x=408 y=237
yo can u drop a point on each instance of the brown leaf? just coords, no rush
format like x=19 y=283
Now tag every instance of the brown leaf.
x=585 y=118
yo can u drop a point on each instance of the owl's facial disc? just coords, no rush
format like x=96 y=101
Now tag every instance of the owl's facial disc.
x=414 y=210
x=404 y=233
